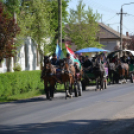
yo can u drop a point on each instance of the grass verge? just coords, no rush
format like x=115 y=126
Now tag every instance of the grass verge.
x=30 y=94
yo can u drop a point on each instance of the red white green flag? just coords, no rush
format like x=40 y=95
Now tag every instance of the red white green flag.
x=73 y=57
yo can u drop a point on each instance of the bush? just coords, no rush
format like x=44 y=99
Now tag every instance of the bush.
x=20 y=82
x=17 y=67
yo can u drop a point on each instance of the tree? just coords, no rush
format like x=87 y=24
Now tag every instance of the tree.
x=54 y=21
x=13 y=6
x=38 y=19
x=82 y=27
x=8 y=31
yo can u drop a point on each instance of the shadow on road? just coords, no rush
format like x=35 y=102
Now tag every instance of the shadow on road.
x=124 y=126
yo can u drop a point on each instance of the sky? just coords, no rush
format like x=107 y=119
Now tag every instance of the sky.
x=109 y=9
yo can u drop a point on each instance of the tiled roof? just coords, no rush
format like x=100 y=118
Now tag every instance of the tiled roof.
x=108 y=32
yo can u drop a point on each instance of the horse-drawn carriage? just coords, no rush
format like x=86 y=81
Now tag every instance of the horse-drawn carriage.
x=66 y=74
x=121 y=70
x=97 y=76
x=97 y=73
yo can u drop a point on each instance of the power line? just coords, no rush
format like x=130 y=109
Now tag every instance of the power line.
x=111 y=18
x=127 y=28
x=115 y=23
x=131 y=15
x=102 y=7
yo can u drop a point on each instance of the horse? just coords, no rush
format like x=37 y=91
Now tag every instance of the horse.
x=123 y=71
x=98 y=72
x=49 y=80
x=67 y=76
x=111 y=71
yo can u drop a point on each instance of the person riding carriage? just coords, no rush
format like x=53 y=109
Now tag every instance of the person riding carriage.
x=68 y=59
x=54 y=60
x=87 y=64
x=55 y=66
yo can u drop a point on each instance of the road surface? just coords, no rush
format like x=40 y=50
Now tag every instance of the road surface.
x=110 y=111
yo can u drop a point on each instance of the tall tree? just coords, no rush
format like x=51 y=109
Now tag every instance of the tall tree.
x=54 y=21
x=39 y=20
x=82 y=26
x=8 y=31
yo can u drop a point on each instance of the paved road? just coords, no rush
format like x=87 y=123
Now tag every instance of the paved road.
x=82 y=115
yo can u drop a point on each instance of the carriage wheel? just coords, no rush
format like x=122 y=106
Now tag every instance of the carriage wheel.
x=78 y=87
x=132 y=78
x=76 y=90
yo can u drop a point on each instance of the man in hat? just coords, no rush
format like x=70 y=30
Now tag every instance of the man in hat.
x=55 y=69
x=87 y=64
x=68 y=59
x=54 y=60
x=124 y=59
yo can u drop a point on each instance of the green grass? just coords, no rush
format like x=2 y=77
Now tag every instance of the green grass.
x=60 y=87
x=27 y=95
x=30 y=94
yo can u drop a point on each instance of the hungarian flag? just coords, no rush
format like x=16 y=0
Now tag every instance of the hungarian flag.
x=73 y=57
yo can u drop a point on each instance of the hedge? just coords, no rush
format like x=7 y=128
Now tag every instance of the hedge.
x=20 y=82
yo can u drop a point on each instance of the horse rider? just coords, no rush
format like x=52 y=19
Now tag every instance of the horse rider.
x=124 y=59
x=55 y=68
x=87 y=64
x=81 y=59
x=54 y=60
x=131 y=61
x=115 y=59
x=69 y=60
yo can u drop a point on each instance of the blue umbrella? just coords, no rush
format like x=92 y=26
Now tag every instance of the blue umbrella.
x=91 y=49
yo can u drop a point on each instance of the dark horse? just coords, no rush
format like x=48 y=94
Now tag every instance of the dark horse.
x=95 y=73
x=49 y=80
x=67 y=76
x=98 y=72
x=111 y=72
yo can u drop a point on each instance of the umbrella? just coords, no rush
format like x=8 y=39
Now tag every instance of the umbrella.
x=91 y=49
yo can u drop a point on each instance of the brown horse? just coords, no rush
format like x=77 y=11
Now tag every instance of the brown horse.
x=67 y=76
x=49 y=80
x=123 y=71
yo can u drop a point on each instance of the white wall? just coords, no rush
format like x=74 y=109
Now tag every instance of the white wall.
x=30 y=55
x=109 y=44
x=3 y=69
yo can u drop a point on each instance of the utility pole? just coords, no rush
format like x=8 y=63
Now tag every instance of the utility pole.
x=60 y=23
x=121 y=23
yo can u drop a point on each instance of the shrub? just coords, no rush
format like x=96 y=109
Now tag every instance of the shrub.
x=17 y=67
x=14 y=83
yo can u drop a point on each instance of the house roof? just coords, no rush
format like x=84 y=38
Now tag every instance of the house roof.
x=108 y=32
